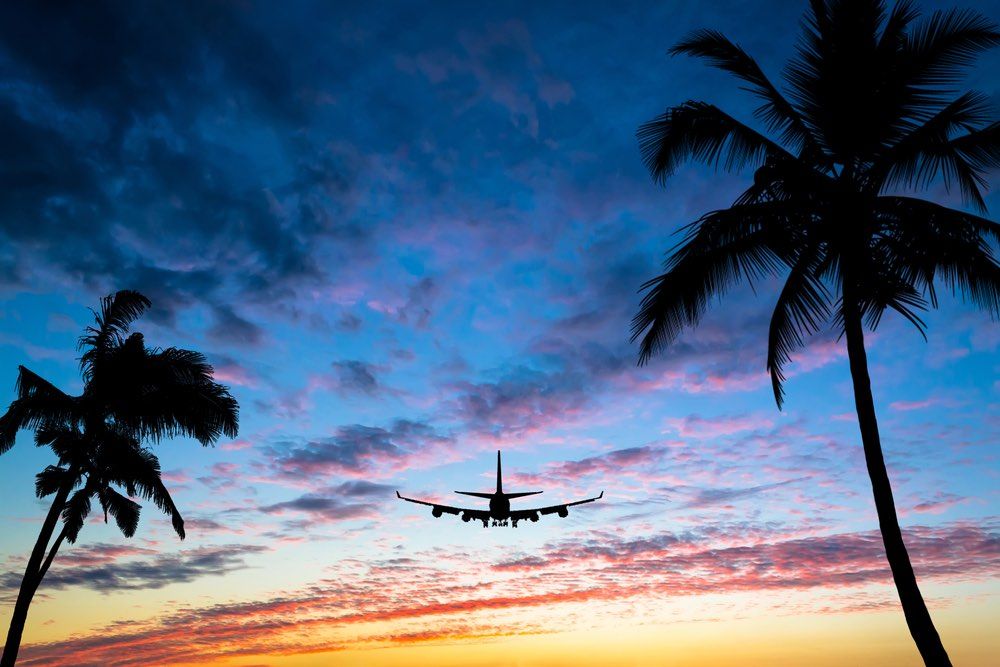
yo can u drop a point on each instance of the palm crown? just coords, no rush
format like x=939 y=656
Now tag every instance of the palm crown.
x=869 y=113
x=131 y=393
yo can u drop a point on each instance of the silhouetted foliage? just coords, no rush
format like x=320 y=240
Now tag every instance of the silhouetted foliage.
x=131 y=393
x=869 y=112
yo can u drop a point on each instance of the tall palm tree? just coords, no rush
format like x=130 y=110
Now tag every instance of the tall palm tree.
x=131 y=394
x=869 y=113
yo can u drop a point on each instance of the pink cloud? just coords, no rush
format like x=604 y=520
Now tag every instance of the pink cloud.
x=907 y=406
x=420 y=591
x=236 y=445
x=694 y=426
x=233 y=373
x=176 y=476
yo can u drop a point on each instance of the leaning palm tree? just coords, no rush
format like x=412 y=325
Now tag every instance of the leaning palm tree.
x=131 y=394
x=868 y=114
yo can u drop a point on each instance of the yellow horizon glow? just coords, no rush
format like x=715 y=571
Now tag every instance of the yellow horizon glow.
x=815 y=639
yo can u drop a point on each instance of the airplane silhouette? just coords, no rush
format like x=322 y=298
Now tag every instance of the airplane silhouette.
x=500 y=510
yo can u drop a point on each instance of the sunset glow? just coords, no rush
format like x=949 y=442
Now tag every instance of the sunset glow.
x=407 y=236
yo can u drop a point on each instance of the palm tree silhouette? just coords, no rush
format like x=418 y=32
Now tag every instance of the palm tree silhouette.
x=131 y=393
x=869 y=113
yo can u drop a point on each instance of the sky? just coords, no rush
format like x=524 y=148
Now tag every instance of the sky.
x=408 y=235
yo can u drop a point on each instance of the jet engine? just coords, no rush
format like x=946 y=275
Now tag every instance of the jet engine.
x=466 y=517
x=563 y=512
x=436 y=512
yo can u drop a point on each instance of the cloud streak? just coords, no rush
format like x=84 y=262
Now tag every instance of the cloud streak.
x=342 y=612
x=107 y=569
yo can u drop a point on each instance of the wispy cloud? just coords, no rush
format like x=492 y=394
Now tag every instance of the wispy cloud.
x=114 y=568
x=340 y=612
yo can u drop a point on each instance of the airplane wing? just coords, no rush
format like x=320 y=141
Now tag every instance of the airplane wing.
x=561 y=510
x=438 y=509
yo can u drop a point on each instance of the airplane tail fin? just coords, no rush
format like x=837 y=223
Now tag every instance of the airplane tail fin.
x=499 y=475
x=500 y=484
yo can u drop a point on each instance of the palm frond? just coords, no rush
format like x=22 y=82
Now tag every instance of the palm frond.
x=745 y=242
x=75 y=512
x=929 y=151
x=894 y=33
x=127 y=463
x=932 y=242
x=890 y=291
x=204 y=413
x=165 y=393
x=51 y=480
x=803 y=306
x=161 y=498
x=790 y=180
x=776 y=112
x=703 y=132
x=124 y=510
x=980 y=148
x=940 y=47
x=38 y=402
x=118 y=311
x=138 y=470
x=31 y=385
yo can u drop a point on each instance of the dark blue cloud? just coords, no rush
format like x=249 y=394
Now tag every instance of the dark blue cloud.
x=355 y=376
x=149 y=573
x=353 y=450
x=330 y=509
x=709 y=497
x=116 y=169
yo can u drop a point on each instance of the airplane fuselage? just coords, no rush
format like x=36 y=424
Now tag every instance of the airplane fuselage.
x=499 y=507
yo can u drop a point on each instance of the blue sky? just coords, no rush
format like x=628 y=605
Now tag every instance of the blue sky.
x=409 y=235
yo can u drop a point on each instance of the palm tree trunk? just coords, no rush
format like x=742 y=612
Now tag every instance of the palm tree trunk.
x=52 y=554
x=33 y=574
x=918 y=619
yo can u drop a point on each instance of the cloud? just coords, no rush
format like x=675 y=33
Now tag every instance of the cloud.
x=521 y=403
x=351 y=450
x=108 y=569
x=353 y=376
x=349 y=322
x=90 y=555
x=694 y=426
x=123 y=172
x=355 y=499
x=204 y=526
x=709 y=497
x=458 y=195
x=685 y=563
x=356 y=451
x=362 y=489
x=907 y=406
x=505 y=69
x=353 y=607
x=232 y=328
x=230 y=371
x=938 y=504
x=611 y=463
x=322 y=507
